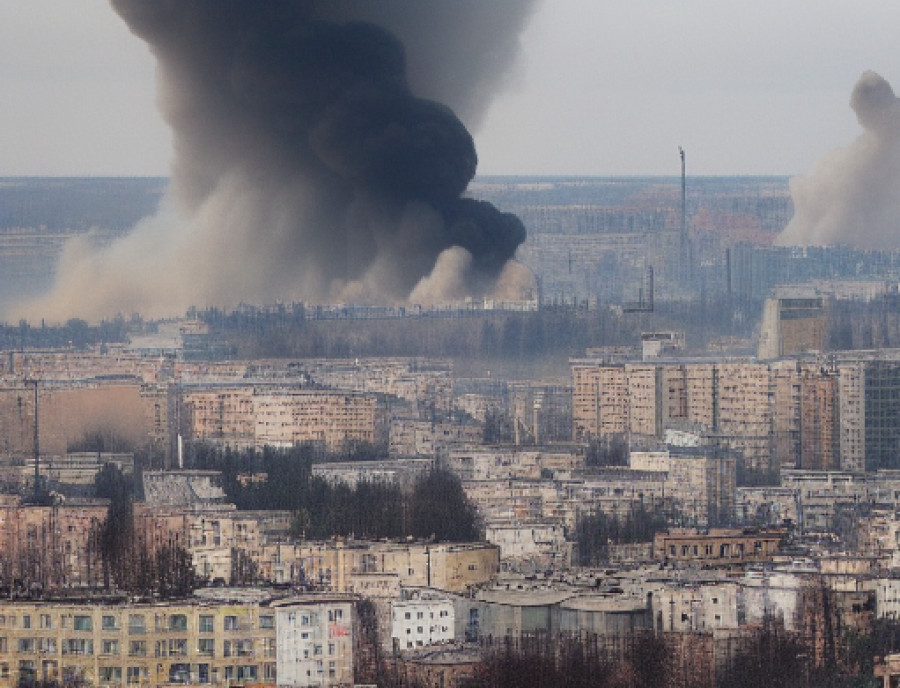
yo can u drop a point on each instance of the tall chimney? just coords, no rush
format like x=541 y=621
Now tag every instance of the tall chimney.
x=685 y=251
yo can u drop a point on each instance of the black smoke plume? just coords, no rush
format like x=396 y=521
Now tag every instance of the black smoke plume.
x=312 y=158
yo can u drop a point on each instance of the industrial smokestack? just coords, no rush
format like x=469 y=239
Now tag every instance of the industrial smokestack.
x=308 y=165
x=850 y=197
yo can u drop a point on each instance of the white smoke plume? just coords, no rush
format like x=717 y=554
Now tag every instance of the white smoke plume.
x=312 y=160
x=851 y=195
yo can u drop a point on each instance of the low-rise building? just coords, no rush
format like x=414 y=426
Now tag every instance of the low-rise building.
x=539 y=543
x=421 y=619
x=718 y=547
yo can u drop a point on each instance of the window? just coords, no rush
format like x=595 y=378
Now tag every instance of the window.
x=178 y=622
x=109 y=647
x=26 y=621
x=46 y=621
x=47 y=646
x=137 y=624
x=179 y=673
x=111 y=674
x=83 y=623
x=137 y=648
x=268 y=647
x=78 y=646
x=178 y=647
x=226 y=649
x=109 y=623
x=206 y=647
x=231 y=623
x=26 y=645
x=206 y=623
x=26 y=670
x=136 y=674
x=267 y=622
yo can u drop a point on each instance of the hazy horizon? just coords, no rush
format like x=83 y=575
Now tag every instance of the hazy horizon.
x=746 y=90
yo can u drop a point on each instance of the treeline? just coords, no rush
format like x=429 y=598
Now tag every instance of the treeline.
x=75 y=333
x=560 y=330
x=767 y=657
x=273 y=479
x=595 y=534
x=128 y=563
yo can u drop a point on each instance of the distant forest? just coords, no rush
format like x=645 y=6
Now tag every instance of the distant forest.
x=554 y=332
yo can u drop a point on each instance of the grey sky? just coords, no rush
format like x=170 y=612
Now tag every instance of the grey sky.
x=602 y=87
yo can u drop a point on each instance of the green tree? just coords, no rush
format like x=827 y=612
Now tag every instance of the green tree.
x=439 y=509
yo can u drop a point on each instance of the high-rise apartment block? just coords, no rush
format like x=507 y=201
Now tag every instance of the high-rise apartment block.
x=792 y=325
x=840 y=412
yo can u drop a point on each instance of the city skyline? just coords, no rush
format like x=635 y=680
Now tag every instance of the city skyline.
x=761 y=89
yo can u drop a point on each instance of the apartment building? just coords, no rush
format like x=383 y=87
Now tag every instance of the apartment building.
x=410 y=437
x=699 y=485
x=797 y=413
x=332 y=565
x=401 y=472
x=792 y=324
x=314 y=644
x=718 y=547
x=693 y=607
x=541 y=544
x=115 y=643
x=255 y=416
x=70 y=411
x=50 y=546
x=421 y=619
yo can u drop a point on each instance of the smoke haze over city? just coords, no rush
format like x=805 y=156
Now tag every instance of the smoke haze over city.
x=850 y=197
x=313 y=159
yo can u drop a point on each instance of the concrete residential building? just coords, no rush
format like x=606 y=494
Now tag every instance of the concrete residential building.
x=721 y=547
x=421 y=619
x=252 y=415
x=333 y=564
x=314 y=641
x=700 y=485
x=695 y=607
x=540 y=543
x=792 y=325
x=230 y=641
